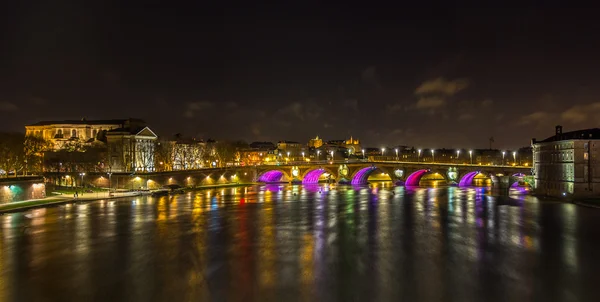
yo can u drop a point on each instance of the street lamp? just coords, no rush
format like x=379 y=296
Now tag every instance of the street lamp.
x=419 y=156
x=363 y=152
x=302 y=155
x=109 y=182
x=288 y=154
x=82 y=174
x=318 y=152
x=515 y=157
x=382 y=152
x=471 y=156
x=432 y=155
x=331 y=154
x=457 y=155
x=503 y=153
x=396 y=153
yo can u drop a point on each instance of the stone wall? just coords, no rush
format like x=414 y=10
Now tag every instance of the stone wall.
x=21 y=188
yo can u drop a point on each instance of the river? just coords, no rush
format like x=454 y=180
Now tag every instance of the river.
x=295 y=243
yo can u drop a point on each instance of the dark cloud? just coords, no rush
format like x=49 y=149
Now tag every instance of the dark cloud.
x=8 y=106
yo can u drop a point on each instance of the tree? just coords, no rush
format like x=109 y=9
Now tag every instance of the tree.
x=163 y=158
x=145 y=155
x=12 y=155
x=34 y=148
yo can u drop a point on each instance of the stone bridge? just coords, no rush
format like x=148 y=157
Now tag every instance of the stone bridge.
x=356 y=173
x=406 y=173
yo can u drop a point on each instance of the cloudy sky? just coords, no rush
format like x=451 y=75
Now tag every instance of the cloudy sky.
x=432 y=75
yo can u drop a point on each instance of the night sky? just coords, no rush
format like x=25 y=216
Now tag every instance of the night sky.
x=430 y=75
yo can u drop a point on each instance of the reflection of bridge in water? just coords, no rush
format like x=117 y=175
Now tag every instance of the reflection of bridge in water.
x=406 y=173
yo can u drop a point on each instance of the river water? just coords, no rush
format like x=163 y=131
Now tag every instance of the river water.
x=295 y=243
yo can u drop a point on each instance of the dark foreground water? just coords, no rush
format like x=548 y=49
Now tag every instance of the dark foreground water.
x=290 y=243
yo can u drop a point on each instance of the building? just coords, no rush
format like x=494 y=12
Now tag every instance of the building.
x=315 y=142
x=84 y=132
x=353 y=146
x=187 y=153
x=568 y=163
x=294 y=149
x=131 y=148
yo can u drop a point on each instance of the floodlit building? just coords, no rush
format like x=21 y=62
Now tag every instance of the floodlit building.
x=315 y=142
x=131 y=148
x=568 y=163
x=83 y=131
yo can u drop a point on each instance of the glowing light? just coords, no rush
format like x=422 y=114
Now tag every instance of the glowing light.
x=137 y=178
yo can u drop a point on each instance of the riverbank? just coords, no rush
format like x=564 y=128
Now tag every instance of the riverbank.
x=59 y=200
x=68 y=198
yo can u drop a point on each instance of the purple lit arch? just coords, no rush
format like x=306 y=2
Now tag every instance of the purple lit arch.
x=271 y=176
x=313 y=176
x=414 y=178
x=361 y=177
x=467 y=180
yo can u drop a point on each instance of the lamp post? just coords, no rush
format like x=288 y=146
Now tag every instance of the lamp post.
x=331 y=155
x=396 y=153
x=318 y=152
x=382 y=152
x=457 y=155
x=302 y=155
x=432 y=155
x=515 y=157
x=471 y=156
x=363 y=153
x=109 y=182
x=503 y=153
x=288 y=155
x=82 y=174
x=419 y=156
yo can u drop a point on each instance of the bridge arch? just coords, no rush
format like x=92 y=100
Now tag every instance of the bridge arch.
x=468 y=179
x=519 y=178
x=273 y=176
x=312 y=176
x=361 y=176
x=414 y=179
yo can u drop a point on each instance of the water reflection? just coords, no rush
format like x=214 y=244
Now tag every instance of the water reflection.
x=318 y=242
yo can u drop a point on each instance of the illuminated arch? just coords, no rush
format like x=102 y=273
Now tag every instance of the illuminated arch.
x=414 y=178
x=312 y=176
x=272 y=176
x=361 y=177
x=467 y=179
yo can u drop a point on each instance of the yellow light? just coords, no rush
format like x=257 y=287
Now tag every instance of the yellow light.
x=137 y=178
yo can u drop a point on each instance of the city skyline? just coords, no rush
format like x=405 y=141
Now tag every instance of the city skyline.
x=449 y=77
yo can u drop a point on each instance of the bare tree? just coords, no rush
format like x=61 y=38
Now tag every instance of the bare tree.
x=34 y=148
x=12 y=155
x=163 y=159
x=145 y=155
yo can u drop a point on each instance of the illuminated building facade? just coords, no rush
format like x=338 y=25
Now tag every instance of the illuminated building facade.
x=567 y=164
x=315 y=142
x=131 y=149
x=353 y=146
x=83 y=131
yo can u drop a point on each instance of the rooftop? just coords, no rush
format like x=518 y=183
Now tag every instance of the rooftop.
x=84 y=121
x=592 y=133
